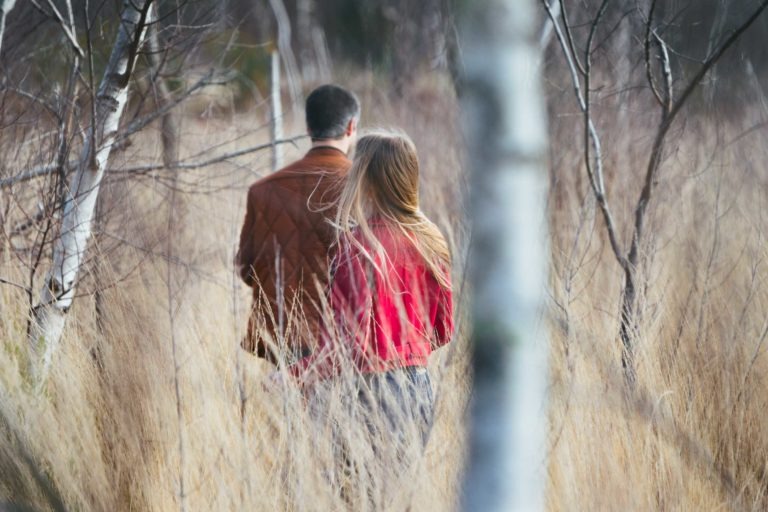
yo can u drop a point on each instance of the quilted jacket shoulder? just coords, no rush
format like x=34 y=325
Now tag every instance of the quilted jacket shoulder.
x=287 y=235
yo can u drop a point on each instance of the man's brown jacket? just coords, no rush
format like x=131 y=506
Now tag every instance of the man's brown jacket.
x=284 y=251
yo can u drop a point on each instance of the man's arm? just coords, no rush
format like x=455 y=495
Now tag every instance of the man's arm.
x=245 y=256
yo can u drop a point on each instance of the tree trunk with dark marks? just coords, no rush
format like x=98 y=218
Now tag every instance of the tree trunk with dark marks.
x=80 y=203
x=506 y=129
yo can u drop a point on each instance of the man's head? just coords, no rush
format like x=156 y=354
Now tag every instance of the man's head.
x=332 y=115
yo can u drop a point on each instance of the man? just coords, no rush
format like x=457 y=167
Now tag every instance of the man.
x=286 y=235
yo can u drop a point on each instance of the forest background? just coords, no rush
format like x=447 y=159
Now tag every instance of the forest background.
x=151 y=405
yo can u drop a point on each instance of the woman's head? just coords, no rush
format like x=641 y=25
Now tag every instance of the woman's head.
x=389 y=171
x=383 y=183
x=383 y=180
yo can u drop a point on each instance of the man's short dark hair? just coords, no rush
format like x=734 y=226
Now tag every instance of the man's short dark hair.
x=329 y=110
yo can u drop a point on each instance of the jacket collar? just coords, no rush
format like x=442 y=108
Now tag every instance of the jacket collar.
x=328 y=150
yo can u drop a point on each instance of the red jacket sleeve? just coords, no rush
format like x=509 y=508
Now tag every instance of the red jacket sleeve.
x=444 y=315
x=346 y=336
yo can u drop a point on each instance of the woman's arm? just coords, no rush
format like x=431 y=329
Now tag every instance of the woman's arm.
x=346 y=336
x=444 y=325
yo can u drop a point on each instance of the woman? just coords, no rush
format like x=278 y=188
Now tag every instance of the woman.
x=390 y=299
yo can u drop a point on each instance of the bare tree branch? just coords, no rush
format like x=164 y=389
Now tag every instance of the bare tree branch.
x=658 y=144
x=647 y=51
x=211 y=161
x=569 y=34
x=43 y=170
x=76 y=225
x=67 y=27
x=594 y=174
x=670 y=110
x=546 y=30
x=587 y=91
x=140 y=123
x=180 y=164
x=669 y=97
x=36 y=99
x=15 y=285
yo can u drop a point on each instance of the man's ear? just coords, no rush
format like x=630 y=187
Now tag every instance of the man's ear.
x=351 y=127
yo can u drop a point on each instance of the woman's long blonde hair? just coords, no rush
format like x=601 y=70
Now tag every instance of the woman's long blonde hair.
x=384 y=182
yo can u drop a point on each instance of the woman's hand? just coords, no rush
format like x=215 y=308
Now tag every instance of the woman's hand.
x=275 y=381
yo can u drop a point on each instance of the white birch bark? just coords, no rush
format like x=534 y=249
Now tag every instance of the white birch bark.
x=70 y=246
x=304 y=33
x=546 y=29
x=6 y=6
x=322 y=53
x=506 y=130
x=276 y=110
x=292 y=74
x=715 y=34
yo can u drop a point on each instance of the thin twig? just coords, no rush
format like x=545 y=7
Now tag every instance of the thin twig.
x=546 y=30
x=654 y=161
x=69 y=31
x=647 y=50
x=24 y=94
x=48 y=169
x=595 y=175
x=569 y=34
x=668 y=83
x=206 y=163
x=587 y=90
x=15 y=285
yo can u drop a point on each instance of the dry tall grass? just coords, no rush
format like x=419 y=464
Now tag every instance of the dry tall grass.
x=148 y=389
x=692 y=437
x=152 y=405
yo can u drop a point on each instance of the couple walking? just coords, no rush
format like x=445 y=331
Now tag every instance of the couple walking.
x=348 y=275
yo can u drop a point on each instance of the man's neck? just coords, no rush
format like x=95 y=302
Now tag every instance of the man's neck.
x=340 y=144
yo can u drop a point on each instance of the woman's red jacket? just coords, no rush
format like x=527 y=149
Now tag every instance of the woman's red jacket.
x=387 y=310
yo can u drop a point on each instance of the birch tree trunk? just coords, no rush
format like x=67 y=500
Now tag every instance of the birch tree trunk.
x=80 y=202
x=506 y=131
x=5 y=7
x=304 y=34
x=292 y=73
x=276 y=112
